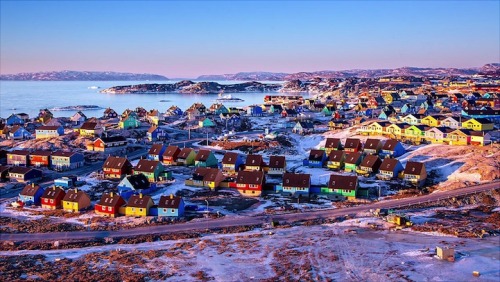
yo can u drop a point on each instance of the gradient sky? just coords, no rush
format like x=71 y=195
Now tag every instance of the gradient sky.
x=190 y=38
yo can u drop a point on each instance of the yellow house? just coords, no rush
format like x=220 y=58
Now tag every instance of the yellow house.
x=478 y=124
x=430 y=121
x=458 y=137
x=395 y=130
x=415 y=133
x=378 y=127
x=138 y=205
x=75 y=200
x=480 y=138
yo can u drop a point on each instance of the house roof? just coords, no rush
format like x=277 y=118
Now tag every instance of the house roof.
x=390 y=144
x=41 y=153
x=63 y=154
x=277 y=162
x=316 y=155
x=30 y=190
x=110 y=199
x=138 y=181
x=254 y=160
x=352 y=143
x=414 y=168
x=109 y=111
x=297 y=180
x=478 y=133
x=21 y=170
x=250 y=177
x=171 y=151
x=230 y=158
x=371 y=161
x=333 y=143
x=155 y=149
x=344 y=182
x=48 y=127
x=74 y=195
x=152 y=129
x=389 y=164
x=116 y=162
x=147 y=165
x=185 y=153
x=482 y=120
x=211 y=174
x=336 y=156
x=353 y=158
x=203 y=155
x=53 y=192
x=89 y=125
x=19 y=152
x=169 y=202
x=139 y=201
x=372 y=143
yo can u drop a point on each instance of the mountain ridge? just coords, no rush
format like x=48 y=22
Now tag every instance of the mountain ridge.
x=68 y=75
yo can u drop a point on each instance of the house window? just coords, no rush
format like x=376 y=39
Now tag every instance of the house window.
x=110 y=208
x=51 y=201
x=164 y=210
x=140 y=210
x=173 y=210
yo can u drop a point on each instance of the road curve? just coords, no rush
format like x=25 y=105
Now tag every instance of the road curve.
x=245 y=220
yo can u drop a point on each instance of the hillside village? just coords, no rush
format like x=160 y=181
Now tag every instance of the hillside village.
x=355 y=141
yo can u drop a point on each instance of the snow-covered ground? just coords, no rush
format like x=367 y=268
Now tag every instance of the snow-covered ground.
x=346 y=251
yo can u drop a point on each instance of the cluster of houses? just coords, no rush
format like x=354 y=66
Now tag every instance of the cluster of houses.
x=24 y=165
x=436 y=129
x=110 y=205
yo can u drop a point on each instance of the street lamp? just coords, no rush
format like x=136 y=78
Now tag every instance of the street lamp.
x=207 y=213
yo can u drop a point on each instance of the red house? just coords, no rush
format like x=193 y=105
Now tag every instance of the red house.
x=116 y=167
x=352 y=145
x=40 y=158
x=109 y=205
x=170 y=155
x=250 y=183
x=52 y=197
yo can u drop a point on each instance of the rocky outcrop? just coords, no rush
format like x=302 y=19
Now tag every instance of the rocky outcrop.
x=187 y=86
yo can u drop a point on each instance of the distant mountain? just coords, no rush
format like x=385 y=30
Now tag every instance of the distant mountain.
x=81 y=76
x=489 y=69
x=246 y=76
x=187 y=86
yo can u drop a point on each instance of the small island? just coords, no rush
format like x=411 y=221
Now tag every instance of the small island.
x=190 y=87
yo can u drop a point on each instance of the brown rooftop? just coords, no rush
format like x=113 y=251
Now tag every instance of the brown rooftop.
x=297 y=180
x=344 y=182
x=250 y=177
x=277 y=162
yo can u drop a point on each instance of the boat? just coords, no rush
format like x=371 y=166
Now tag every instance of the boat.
x=228 y=98
x=94 y=87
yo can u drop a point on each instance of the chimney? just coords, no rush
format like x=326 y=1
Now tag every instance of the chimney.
x=76 y=190
x=171 y=196
x=111 y=194
x=32 y=184
x=140 y=195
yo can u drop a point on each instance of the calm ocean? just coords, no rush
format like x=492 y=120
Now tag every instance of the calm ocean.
x=31 y=96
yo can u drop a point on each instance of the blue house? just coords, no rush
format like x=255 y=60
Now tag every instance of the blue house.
x=171 y=206
x=317 y=158
x=390 y=169
x=31 y=194
x=134 y=184
x=156 y=152
x=156 y=133
x=14 y=119
x=296 y=183
x=18 y=133
x=406 y=109
x=392 y=148
x=255 y=110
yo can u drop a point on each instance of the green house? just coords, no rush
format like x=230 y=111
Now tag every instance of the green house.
x=342 y=185
x=205 y=158
x=328 y=110
x=129 y=121
x=186 y=157
x=151 y=169
x=206 y=122
x=352 y=161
